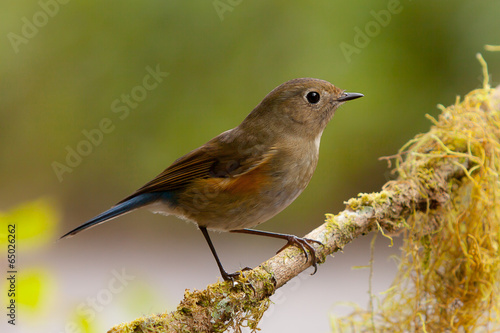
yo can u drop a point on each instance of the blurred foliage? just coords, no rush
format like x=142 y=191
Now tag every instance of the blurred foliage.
x=36 y=223
x=83 y=325
x=34 y=226
x=36 y=289
x=37 y=285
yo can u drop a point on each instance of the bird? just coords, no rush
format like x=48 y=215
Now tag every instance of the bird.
x=246 y=175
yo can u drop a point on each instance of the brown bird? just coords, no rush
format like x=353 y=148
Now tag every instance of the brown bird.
x=246 y=175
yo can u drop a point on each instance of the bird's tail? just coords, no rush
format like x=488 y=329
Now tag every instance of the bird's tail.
x=121 y=208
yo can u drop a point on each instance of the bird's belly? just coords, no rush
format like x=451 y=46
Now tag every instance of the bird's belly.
x=230 y=212
x=227 y=204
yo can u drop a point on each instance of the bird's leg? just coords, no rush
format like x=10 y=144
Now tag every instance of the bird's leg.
x=226 y=276
x=303 y=243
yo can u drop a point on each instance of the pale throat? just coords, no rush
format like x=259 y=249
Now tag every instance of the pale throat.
x=317 y=141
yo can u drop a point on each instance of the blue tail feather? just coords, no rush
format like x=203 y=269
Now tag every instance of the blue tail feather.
x=120 y=209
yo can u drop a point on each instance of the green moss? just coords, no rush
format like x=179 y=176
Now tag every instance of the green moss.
x=343 y=231
x=449 y=273
x=221 y=304
x=368 y=200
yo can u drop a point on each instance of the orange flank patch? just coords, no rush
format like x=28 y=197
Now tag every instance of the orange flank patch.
x=246 y=183
x=249 y=182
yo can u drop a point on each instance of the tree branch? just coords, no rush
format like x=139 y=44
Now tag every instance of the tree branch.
x=423 y=185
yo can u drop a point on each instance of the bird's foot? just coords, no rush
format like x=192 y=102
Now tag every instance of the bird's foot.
x=236 y=275
x=303 y=243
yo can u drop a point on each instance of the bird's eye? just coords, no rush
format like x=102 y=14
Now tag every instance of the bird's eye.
x=312 y=97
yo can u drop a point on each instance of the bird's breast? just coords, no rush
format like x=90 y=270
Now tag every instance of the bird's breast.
x=294 y=172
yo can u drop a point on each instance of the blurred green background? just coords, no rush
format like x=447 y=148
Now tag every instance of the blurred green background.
x=62 y=66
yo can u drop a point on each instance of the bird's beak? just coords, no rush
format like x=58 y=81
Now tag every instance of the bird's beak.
x=348 y=96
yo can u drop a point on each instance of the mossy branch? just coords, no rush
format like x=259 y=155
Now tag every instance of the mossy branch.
x=429 y=167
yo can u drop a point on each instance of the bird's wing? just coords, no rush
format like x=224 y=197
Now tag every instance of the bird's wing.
x=206 y=162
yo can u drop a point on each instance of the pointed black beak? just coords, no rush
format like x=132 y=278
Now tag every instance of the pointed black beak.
x=349 y=96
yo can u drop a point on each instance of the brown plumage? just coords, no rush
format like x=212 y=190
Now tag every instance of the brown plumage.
x=246 y=175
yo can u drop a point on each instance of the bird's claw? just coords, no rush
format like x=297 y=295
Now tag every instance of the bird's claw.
x=231 y=277
x=303 y=243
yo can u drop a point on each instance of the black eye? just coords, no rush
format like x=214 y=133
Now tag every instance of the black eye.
x=312 y=97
